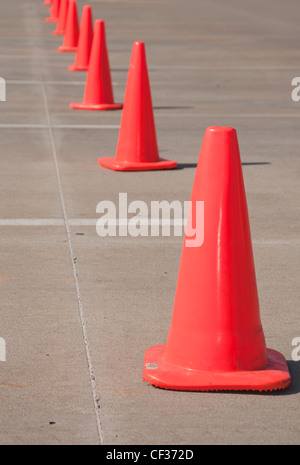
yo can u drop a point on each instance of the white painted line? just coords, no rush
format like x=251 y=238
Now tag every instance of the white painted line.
x=87 y=222
x=34 y=82
x=149 y=240
x=66 y=83
x=85 y=126
x=29 y=82
x=203 y=67
x=276 y=242
x=142 y=222
x=222 y=68
x=84 y=222
x=23 y=126
x=31 y=222
x=180 y=114
x=59 y=83
x=60 y=126
x=72 y=83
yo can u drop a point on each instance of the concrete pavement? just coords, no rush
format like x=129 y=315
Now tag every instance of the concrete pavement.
x=78 y=311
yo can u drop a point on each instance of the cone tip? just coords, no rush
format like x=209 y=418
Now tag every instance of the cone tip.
x=86 y=9
x=221 y=129
x=139 y=44
x=99 y=22
x=138 y=50
x=72 y=7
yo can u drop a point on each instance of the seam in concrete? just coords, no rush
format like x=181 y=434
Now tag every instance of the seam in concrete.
x=80 y=306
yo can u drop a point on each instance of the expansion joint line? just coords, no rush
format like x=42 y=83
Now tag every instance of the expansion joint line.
x=73 y=261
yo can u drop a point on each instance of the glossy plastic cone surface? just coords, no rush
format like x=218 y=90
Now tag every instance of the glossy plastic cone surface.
x=54 y=12
x=216 y=340
x=98 y=94
x=82 y=57
x=71 y=29
x=137 y=144
x=61 y=23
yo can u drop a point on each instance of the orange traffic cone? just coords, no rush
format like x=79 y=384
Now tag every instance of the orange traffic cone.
x=84 y=41
x=47 y=2
x=54 y=12
x=61 y=22
x=137 y=145
x=71 y=29
x=98 y=93
x=216 y=341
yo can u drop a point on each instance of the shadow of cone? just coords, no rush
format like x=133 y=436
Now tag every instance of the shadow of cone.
x=61 y=22
x=71 y=29
x=216 y=341
x=98 y=94
x=85 y=39
x=54 y=12
x=137 y=144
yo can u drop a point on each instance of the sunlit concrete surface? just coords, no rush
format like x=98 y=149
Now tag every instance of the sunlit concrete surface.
x=79 y=311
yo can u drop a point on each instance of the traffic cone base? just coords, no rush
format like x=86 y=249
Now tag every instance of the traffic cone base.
x=159 y=373
x=96 y=107
x=64 y=48
x=114 y=164
x=78 y=68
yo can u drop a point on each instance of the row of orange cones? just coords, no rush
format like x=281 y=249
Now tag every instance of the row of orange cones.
x=137 y=147
x=216 y=341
